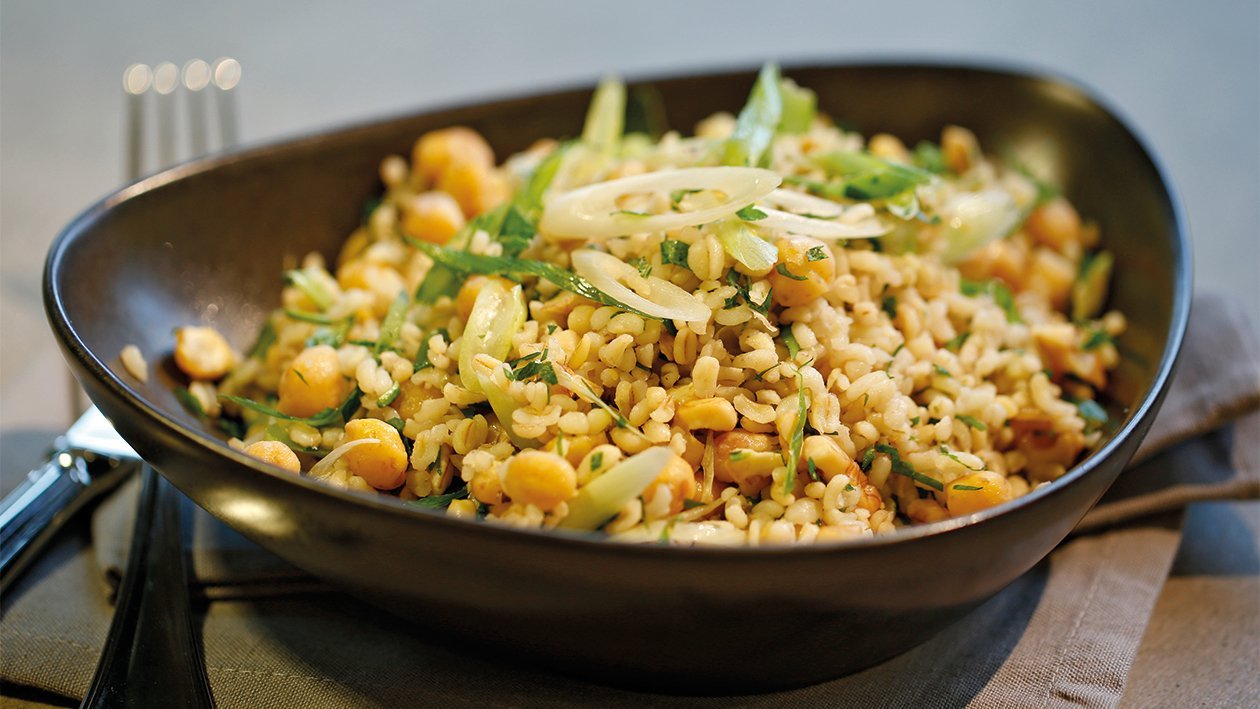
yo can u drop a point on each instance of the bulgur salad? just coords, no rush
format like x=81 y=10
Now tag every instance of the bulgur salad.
x=773 y=331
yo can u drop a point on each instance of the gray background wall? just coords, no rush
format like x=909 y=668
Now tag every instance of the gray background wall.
x=1187 y=75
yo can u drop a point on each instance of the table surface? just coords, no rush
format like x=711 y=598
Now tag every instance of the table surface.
x=1184 y=76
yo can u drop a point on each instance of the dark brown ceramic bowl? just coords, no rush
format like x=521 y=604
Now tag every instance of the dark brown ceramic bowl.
x=205 y=243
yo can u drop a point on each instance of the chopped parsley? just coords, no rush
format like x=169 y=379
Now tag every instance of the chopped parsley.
x=328 y=416
x=641 y=265
x=789 y=341
x=867 y=459
x=782 y=268
x=388 y=397
x=996 y=290
x=692 y=504
x=901 y=467
x=955 y=343
x=677 y=196
x=189 y=401
x=750 y=214
x=597 y=460
x=941 y=370
x=889 y=305
x=965 y=487
x=266 y=338
x=813 y=469
x=816 y=253
x=945 y=451
x=798 y=434
x=440 y=502
x=973 y=422
x=674 y=252
x=532 y=366
x=1096 y=339
x=422 y=354
x=740 y=454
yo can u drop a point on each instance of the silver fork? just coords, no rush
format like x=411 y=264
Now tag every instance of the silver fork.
x=153 y=654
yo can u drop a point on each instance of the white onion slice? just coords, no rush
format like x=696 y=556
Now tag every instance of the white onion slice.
x=661 y=300
x=591 y=212
x=821 y=228
x=974 y=219
x=802 y=203
x=324 y=466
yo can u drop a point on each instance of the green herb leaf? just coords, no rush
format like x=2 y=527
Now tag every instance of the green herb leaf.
x=816 y=253
x=972 y=421
x=813 y=470
x=323 y=418
x=266 y=338
x=929 y=157
x=941 y=370
x=739 y=454
x=1092 y=411
x=998 y=291
x=388 y=397
x=889 y=305
x=442 y=279
x=867 y=177
x=783 y=271
x=641 y=265
x=900 y=467
x=1096 y=339
x=945 y=451
x=955 y=343
x=867 y=459
x=313 y=318
x=692 y=504
x=631 y=213
x=597 y=460
x=674 y=252
x=497 y=265
x=965 y=487
x=789 y=341
x=750 y=214
x=440 y=502
x=422 y=354
x=189 y=401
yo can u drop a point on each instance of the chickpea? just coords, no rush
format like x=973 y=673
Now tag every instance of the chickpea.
x=462 y=509
x=276 y=453
x=476 y=187
x=202 y=353
x=487 y=488
x=410 y=397
x=889 y=147
x=758 y=456
x=312 y=382
x=808 y=279
x=680 y=478
x=962 y=499
x=432 y=216
x=539 y=478
x=1055 y=224
x=960 y=148
x=575 y=448
x=382 y=464
x=438 y=150
x=467 y=295
x=715 y=414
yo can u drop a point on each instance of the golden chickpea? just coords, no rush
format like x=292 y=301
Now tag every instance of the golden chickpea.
x=829 y=458
x=1055 y=224
x=410 y=397
x=462 y=509
x=960 y=148
x=889 y=147
x=975 y=492
x=432 y=216
x=438 y=150
x=714 y=414
x=539 y=478
x=575 y=448
x=312 y=382
x=276 y=453
x=202 y=353
x=487 y=488
x=476 y=187
x=679 y=477
x=467 y=295
x=382 y=464
x=800 y=276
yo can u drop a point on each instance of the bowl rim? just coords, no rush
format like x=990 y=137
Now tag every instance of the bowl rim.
x=125 y=393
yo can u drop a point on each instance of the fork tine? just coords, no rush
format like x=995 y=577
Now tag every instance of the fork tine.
x=165 y=81
x=227 y=74
x=196 y=76
x=137 y=79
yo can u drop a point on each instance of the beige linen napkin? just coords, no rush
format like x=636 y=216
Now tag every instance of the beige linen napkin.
x=1065 y=633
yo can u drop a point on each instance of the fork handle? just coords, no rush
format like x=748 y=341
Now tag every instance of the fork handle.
x=153 y=655
x=49 y=497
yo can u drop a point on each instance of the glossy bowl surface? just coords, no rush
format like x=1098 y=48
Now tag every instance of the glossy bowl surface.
x=205 y=243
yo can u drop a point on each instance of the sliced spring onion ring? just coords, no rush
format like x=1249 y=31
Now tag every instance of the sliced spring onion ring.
x=820 y=228
x=746 y=247
x=497 y=315
x=324 y=467
x=592 y=211
x=803 y=203
x=600 y=499
x=660 y=299
x=974 y=219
